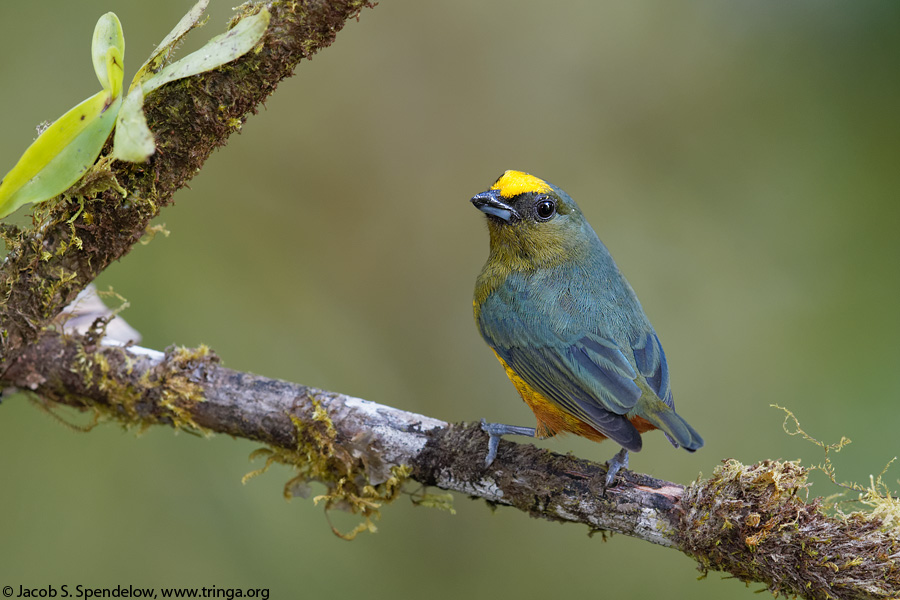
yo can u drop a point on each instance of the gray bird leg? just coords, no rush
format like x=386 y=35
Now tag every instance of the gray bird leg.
x=495 y=430
x=614 y=465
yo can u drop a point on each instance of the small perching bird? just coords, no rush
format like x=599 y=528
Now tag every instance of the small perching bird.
x=567 y=327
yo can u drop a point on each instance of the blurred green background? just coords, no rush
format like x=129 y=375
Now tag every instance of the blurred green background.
x=740 y=159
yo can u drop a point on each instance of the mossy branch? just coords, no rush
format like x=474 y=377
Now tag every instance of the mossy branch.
x=113 y=204
x=750 y=522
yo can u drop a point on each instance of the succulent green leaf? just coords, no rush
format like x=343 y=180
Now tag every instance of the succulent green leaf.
x=65 y=150
x=133 y=140
x=159 y=56
x=218 y=51
x=115 y=72
x=60 y=155
x=108 y=53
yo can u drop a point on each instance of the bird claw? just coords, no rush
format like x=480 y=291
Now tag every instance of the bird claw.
x=613 y=466
x=495 y=431
x=493 y=445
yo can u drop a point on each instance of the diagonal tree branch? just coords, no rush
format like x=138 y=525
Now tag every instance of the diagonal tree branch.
x=747 y=521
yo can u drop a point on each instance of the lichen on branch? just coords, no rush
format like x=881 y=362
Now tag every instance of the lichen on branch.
x=752 y=522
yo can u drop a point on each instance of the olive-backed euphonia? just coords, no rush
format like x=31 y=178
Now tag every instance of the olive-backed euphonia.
x=566 y=325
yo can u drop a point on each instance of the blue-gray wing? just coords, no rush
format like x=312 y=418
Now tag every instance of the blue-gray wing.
x=591 y=379
x=651 y=363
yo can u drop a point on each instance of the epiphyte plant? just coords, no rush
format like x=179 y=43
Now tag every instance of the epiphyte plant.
x=65 y=151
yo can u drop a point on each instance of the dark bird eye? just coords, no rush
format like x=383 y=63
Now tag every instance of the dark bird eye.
x=545 y=209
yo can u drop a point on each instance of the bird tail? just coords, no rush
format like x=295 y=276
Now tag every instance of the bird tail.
x=679 y=432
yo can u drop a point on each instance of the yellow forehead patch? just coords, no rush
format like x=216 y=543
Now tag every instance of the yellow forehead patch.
x=513 y=183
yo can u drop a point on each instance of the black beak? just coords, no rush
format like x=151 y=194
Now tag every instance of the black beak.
x=489 y=203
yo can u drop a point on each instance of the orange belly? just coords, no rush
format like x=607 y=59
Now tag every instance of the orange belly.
x=551 y=419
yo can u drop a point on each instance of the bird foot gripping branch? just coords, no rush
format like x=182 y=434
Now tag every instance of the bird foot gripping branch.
x=496 y=431
x=567 y=327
